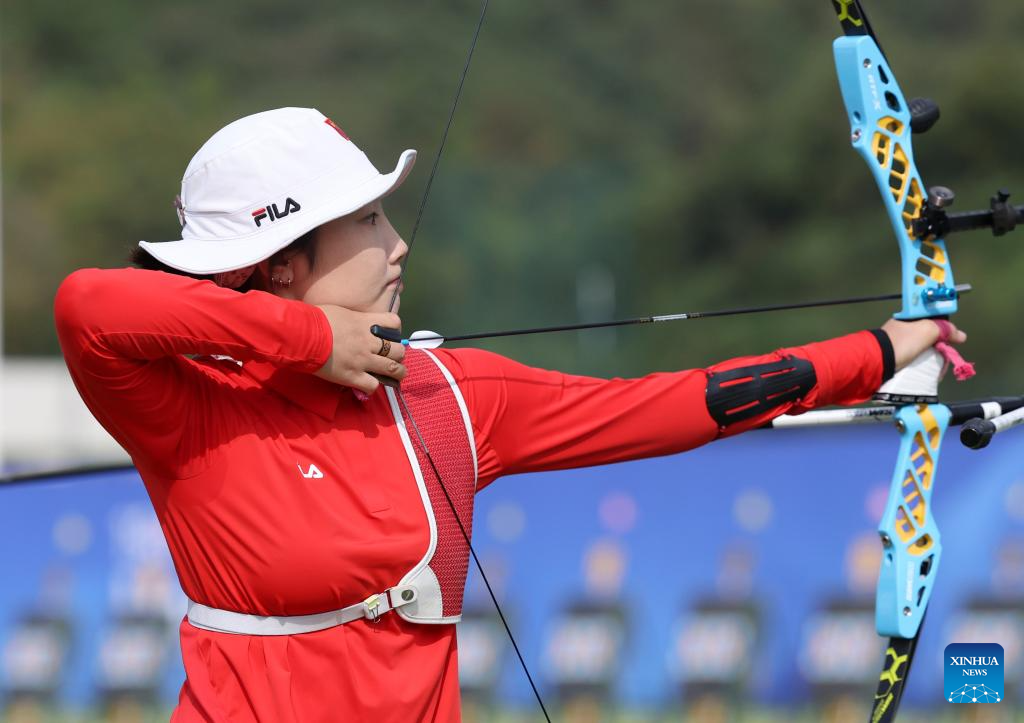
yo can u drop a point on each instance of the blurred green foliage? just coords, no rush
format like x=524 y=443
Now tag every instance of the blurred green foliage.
x=608 y=158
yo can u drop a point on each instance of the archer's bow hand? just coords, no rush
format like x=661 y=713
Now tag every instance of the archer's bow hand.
x=910 y=339
x=923 y=352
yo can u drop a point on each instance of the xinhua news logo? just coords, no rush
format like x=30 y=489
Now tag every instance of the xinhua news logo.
x=974 y=673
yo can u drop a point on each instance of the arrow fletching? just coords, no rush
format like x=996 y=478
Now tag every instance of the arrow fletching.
x=424 y=339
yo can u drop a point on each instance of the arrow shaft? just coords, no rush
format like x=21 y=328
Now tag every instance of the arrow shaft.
x=685 y=316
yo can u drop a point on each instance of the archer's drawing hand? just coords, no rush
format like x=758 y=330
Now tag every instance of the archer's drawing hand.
x=355 y=351
x=912 y=338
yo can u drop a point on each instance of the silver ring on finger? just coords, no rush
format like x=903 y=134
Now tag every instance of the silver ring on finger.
x=385 y=347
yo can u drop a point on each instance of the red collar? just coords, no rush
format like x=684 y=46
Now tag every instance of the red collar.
x=309 y=392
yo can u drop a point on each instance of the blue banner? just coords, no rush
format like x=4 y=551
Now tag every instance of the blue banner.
x=746 y=567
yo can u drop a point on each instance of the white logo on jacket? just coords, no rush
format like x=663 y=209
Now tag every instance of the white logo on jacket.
x=312 y=473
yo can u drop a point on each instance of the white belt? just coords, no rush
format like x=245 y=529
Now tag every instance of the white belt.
x=227 y=621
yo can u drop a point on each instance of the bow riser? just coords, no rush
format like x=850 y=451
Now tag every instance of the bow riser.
x=910 y=538
x=880 y=132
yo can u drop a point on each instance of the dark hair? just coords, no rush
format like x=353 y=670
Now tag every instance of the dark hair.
x=304 y=244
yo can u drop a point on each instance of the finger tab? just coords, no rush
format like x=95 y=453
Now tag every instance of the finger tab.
x=386 y=333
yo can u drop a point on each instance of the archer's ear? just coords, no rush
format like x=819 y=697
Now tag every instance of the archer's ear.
x=280 y=274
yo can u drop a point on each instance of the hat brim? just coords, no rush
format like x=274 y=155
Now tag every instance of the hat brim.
x=199 y=256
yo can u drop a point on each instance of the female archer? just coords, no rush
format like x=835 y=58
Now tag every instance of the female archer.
x=313 y=517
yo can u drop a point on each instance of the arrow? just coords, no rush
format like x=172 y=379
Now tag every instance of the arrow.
x=432 y=340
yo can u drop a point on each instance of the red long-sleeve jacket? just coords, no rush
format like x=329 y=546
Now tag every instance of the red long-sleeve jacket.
x=221 y=447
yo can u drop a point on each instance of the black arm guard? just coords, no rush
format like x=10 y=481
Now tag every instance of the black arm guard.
x=740 y=394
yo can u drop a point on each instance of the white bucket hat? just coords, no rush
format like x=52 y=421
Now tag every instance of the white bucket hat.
x=262 y=182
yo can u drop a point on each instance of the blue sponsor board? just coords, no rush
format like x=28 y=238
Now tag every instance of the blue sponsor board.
x=748 y=565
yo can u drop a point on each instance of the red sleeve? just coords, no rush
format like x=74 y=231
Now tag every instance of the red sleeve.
x=123 y=333
x=529 y=420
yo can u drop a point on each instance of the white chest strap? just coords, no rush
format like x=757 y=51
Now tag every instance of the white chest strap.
x=227 y=621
